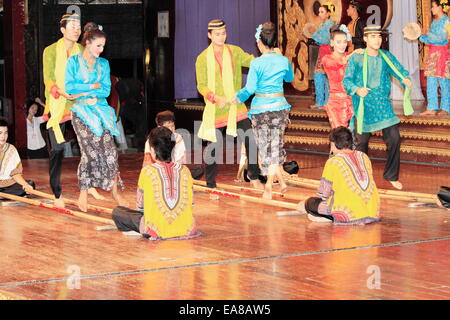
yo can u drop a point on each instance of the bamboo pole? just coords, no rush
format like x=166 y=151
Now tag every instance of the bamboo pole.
x=386 y=194
x=70 y=201
x=245 y=189
x=275 y=203
x=38 y=203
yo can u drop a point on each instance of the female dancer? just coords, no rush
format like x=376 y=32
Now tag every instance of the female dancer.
x=438 y=56
x=94 y=121
x=322 y=37
x=269 y=110
x=339 y=107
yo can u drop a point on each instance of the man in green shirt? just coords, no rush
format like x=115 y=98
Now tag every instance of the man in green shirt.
x=219 y=77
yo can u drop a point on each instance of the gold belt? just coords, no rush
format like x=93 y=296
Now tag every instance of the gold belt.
x=339 y=95
x=269 y=95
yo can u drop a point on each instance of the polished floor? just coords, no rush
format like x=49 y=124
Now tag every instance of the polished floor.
x=247 y=251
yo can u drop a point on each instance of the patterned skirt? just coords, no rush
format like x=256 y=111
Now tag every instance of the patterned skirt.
x=99 y=163
x=268 y=128
x=339 y=109
x=437 y=63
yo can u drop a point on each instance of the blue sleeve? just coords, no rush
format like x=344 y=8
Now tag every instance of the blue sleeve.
x=349 y=81
x=323 y=36
x=289 y=76
x=250 y=86
x=71 y=84
x=398 y=65
x=105 y=81
x=437 y=35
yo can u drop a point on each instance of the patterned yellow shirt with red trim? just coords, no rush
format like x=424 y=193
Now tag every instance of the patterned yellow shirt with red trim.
x=165 y=193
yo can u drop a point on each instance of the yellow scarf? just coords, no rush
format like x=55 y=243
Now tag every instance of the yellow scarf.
x=57 y=106
x=207 y=129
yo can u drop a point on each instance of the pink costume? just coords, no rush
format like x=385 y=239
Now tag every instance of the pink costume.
x=339 y=107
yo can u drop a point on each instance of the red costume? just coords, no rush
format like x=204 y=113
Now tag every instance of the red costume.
x=339 y=107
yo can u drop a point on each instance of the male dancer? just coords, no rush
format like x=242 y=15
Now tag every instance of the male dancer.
x=367 y=80
x=58 y=102
x=219 y=77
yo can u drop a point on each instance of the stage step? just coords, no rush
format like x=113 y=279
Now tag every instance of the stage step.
x=316 y=126
x=424 y=139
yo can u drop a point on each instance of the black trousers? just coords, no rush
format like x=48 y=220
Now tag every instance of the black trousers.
x=312 y=207
x=245 y=134
x=17 y=189
x=391 y=135
x=127 y=219
x=38 y=154
x=56 y=156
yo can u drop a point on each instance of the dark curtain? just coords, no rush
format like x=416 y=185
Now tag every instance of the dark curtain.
x=191 y=20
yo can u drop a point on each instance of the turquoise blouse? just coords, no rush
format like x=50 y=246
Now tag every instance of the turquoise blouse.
x=266 y=75
x=79 y=79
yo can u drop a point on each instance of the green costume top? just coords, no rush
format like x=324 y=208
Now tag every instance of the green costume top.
x=239 y=59
x=378 y=112
x=49 y=66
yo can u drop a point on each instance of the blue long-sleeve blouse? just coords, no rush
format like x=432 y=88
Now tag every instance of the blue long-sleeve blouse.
x=266 y=75
x=80 y=79
x=438 y=33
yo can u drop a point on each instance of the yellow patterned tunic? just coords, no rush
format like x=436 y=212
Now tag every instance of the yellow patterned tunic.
x=165 y=192
x=348 y=190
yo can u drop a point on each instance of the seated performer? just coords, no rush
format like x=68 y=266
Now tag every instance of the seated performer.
x=164 y=196
x=167 y=119
x=269 y=110
x=348 y=194
x=11 y=179
x=339 y=107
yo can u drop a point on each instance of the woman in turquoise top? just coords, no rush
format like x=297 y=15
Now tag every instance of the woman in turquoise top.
x=438 y=57
x=94 y=121
x=323 y=38
x=269 y=110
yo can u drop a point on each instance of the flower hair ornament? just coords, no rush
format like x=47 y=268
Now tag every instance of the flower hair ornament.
x=100 y=27
x=344 y=28
x=258 y=33
x=445 y=5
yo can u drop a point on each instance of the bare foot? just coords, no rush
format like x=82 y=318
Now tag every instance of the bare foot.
x=213 y=196
x=283 y=188
x=428 y=113
x=301 y=206
x=83 y=201
x=93 y=192
x=397 y=184
x=317 y=219
x=442 y=113
x=257 y=184
x=267 y=192
x=59 y=202
x=118 y=198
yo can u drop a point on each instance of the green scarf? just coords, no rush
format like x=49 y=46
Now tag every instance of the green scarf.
x=407 y=107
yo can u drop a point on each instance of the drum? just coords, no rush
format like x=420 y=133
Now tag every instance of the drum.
x=411 y=31
x=309 y=29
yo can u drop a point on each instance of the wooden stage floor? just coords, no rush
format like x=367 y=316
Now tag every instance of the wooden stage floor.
x=246 y=251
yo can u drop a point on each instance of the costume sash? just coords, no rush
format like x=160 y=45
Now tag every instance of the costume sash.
x=207 y=129
x=57 y=106
x=407 y=107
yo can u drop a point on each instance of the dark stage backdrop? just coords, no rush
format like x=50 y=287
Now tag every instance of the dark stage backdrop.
x=191 y=21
